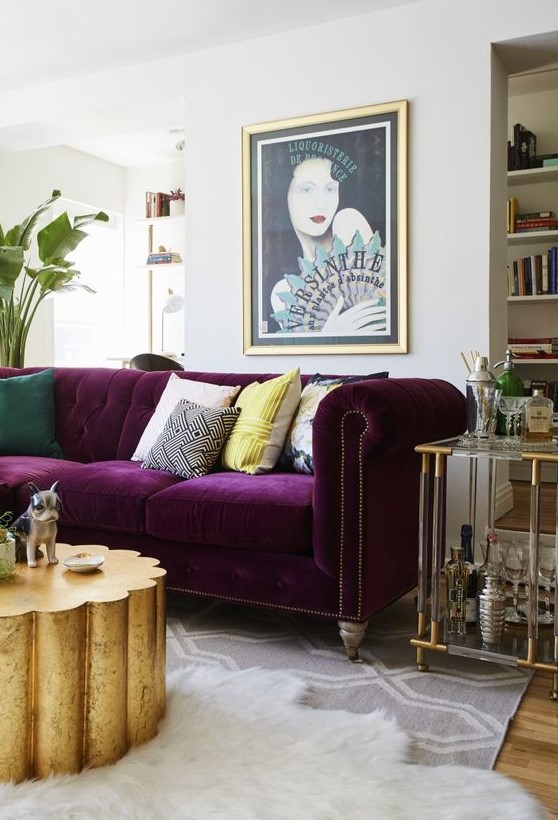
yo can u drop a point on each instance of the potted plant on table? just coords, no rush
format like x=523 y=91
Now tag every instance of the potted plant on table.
x=7 y=547
x=24 y=284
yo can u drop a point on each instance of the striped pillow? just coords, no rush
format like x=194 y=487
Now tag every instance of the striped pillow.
x=266 y=412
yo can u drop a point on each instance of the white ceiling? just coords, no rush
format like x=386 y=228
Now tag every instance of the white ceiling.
x=59 y=40
x=56 y=41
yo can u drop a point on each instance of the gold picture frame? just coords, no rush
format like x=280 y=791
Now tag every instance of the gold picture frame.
x=325 y=232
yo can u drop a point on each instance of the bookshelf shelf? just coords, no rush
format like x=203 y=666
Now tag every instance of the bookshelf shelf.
x=156 y=265
x=544 y=297
x=530 y=237
x=533 y=175
x=544 y=362
x=161 y=220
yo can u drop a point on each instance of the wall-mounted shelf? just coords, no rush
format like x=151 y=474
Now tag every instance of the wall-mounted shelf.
x=530 y=237
x=541 y=297
x=156 y=265
x=519 y=361
x=533 y=175
x=161 y=220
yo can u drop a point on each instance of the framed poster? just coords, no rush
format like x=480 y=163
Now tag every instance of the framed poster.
x=325 y=233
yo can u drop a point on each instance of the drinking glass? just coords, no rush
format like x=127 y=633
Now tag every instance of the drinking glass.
x=547 y=574
x=517 y=416
x=507 y=406
x=515 y=569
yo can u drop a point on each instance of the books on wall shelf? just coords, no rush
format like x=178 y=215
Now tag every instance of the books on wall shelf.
x=534 y=347
x=522 y=152
x=534 y=275
x=512 y=213
x=156 y=204
x=164 y=258
x=535 y=223
x=532 y=221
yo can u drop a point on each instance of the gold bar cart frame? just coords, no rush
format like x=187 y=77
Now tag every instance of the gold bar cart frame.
x=433 y=509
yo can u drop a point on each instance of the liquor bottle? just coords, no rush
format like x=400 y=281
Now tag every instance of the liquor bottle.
x=457 y=573
x=538 y=417
x=493 y=565
x=471 y=598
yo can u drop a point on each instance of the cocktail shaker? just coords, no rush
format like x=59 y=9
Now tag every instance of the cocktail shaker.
x=492 y=610
x=483 y=395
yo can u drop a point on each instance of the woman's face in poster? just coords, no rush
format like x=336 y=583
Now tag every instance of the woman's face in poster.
x=313 y=197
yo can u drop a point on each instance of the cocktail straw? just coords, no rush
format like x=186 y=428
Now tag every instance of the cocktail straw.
x=465 y=362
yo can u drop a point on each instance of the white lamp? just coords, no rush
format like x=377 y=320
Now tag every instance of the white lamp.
x=173 y=304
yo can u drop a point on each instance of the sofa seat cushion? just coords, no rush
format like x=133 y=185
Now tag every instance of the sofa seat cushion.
x=110 y=495
x=271 y=513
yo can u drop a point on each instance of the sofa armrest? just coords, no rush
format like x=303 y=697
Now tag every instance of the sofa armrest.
x=367 y=477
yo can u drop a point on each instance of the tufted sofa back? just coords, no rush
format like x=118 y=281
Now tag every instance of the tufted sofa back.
x=102 y=412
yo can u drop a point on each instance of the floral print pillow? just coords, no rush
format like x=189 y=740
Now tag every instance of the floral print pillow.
x=297 y=452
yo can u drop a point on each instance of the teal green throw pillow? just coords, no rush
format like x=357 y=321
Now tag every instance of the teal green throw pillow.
x=27 y=416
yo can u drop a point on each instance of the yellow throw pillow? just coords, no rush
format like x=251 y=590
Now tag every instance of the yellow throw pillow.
x=266 y=412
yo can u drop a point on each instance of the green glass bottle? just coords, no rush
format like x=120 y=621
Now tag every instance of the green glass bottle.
x=510 y=384
x=471 y=595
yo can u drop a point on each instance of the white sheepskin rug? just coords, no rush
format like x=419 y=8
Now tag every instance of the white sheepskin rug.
x=243 y=745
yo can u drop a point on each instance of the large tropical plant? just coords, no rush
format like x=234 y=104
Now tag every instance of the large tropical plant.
x=24 y=284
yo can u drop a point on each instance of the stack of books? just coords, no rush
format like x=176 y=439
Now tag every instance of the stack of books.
x=163 y=258
x=544 y=347
x=536 y=221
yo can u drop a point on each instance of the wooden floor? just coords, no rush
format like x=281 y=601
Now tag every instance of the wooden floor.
x=530 y=751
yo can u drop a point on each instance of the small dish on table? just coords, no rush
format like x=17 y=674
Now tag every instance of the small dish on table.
x=83 y=562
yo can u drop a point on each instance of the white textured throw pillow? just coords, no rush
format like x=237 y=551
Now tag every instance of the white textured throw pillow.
x=204 y=393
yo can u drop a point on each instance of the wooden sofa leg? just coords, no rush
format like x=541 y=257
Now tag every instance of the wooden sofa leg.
x=352 y=634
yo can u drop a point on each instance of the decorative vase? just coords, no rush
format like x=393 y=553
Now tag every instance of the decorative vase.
x=176 y=207
x=7 y=557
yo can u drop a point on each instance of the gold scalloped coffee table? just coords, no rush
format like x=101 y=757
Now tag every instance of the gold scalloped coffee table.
x=82 y=671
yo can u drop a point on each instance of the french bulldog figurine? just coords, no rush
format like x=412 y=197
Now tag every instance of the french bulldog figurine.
x=37 y=525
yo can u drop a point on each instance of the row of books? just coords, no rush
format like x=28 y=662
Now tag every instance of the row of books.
x=156 y=204
x=535 y=275
x=522 y=152
x=533 y=347
x=530 y=221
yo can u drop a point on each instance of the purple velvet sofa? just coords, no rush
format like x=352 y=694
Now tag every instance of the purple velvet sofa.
x=340 y=544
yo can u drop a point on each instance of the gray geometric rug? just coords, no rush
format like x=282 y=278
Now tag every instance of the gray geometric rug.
x=457 y=712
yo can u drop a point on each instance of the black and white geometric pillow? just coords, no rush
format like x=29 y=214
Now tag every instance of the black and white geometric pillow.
x=192 y=439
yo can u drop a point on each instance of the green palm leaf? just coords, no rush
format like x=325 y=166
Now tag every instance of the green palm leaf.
x=55 y=241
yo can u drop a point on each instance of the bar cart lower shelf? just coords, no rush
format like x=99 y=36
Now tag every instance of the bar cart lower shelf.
x=530 y=645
